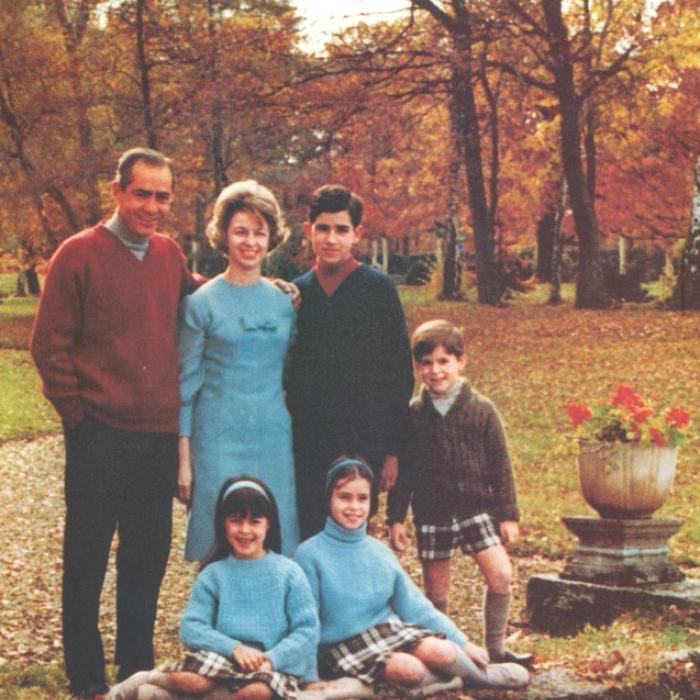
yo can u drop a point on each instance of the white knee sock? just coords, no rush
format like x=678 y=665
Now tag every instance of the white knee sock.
x=148 y=691
x=464 y=667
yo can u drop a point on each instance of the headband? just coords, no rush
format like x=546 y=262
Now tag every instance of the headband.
x=362 y=467
x=245 y=484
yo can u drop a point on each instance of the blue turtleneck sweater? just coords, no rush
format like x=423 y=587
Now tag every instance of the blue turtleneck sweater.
x=263 y=603
x=358 y=583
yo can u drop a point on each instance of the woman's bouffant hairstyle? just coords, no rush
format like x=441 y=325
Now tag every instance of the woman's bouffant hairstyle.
x=250 y=196
x=245 y=501
x=434 y=334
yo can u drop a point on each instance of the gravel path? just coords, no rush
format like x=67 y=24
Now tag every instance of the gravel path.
x=32 y=508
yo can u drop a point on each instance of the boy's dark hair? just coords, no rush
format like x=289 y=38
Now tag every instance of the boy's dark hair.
x=437 y=333
x=245 y=502
x=335 y=198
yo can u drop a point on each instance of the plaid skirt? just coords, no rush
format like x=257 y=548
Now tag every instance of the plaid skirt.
x=364 y=655
x=219 y=668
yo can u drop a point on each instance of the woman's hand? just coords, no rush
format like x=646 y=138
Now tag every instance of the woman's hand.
x=249 y=659
x=185 y=474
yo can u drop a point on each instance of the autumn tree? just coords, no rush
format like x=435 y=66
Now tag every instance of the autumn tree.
x=566 y=70
x=687 y=292
x=74 y=20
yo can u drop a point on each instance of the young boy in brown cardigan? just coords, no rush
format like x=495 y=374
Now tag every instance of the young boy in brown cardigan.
x=461 y=485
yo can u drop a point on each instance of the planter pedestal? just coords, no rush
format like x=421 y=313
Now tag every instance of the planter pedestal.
x=618 y=565
x=622 y=552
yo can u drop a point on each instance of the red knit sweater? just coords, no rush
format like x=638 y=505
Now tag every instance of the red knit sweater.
x=104 y=337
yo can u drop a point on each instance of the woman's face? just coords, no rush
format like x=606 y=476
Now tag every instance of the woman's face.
x=350 y=502
x=248 y=238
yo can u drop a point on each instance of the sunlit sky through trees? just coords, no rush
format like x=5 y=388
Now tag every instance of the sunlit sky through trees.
x=324 y=17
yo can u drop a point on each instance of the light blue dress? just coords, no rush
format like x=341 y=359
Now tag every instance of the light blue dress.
x=233 y=343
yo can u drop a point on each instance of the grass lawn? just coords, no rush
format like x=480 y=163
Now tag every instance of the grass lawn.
x=531 y=360
x=23 y=410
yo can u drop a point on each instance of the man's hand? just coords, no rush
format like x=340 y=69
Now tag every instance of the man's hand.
x=248 y=659
x=397 y=537
x=291 y=289
x=509 y=531
x=390 y=473
x=185 y=475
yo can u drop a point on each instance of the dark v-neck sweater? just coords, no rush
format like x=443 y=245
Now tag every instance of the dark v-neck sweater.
x=349 y=375
x=104 y=338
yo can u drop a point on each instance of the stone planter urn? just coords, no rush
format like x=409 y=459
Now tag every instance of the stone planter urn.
x=625 y=480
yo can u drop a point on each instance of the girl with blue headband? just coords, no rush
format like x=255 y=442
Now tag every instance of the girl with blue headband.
x=376 y=625
x=250 y=626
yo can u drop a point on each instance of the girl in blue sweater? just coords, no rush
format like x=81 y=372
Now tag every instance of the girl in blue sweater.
x=376 y=625
x=250 y=626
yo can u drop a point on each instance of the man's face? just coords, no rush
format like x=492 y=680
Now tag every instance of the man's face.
x=332 y=237
x=145 y=201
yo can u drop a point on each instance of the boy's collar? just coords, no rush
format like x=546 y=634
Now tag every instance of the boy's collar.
x=462 y=395
x=330 y=278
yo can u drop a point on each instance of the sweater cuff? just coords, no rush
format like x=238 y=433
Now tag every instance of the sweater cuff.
x=186 y=420
x=506 y=513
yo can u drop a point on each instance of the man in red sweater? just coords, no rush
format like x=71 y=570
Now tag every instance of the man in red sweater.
x=104 y=341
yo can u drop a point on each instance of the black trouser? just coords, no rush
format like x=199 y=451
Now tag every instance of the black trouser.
x=114 y=480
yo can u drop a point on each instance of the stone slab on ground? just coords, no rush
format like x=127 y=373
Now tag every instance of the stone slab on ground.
x=561 y=606
x=561 y=683
x=557 y=683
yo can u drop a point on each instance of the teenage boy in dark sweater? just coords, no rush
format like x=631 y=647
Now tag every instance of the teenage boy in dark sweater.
x=460 y=484
x=349 y=377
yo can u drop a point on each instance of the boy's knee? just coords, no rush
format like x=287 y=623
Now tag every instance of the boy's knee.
x=499 y=580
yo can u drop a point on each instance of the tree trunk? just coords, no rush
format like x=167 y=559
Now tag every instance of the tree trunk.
x=545 y=245
x=687 y=292
x=72 y=36
x=590 y=288
x=558 y=244
x=449 y=270
x=489 y=285
x=145 y=76
x=622 y=255
x=217 y=109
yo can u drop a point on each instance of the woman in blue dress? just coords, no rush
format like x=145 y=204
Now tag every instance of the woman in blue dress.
x=234 y=335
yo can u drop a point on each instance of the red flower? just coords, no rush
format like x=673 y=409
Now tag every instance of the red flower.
x=656 y=437
x=578 y=413
x=627 y=397
x=677 y=417
x=640 y=415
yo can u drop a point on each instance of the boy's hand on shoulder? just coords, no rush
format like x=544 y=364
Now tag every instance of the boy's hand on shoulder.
x=509 y=531
x=390 y=473
x=291 y=289
x=397 y=537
